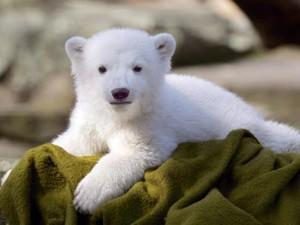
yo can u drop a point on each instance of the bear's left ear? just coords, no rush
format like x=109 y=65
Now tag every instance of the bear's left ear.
x=165 y=44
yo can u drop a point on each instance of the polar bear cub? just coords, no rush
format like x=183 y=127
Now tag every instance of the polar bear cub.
x=128 y=104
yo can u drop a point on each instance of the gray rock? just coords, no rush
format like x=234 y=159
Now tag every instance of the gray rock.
x=19 y=32
x=12 y=150
x=31 y=126
x=7 y=97
x=277 y=70
x=43 y=116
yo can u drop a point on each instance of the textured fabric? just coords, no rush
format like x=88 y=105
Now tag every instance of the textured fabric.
x=227 y=182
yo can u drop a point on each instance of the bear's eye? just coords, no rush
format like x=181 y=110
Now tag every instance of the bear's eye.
x=137 y=69
x=102 y=69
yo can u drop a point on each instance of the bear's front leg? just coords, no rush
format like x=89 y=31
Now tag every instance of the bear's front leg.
x=114 y=174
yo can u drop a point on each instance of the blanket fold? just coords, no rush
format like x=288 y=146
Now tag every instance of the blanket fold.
x=222 y=182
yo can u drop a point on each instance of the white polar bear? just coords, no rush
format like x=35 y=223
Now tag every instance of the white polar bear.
x=128 y=106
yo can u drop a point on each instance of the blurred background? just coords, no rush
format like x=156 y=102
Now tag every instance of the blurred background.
x=249 y=46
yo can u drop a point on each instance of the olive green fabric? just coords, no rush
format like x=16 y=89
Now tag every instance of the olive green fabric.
x=227 y=182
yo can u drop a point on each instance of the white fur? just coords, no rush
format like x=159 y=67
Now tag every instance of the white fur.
x=165 y=111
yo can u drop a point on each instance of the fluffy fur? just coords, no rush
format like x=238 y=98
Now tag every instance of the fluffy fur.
x=165 y=110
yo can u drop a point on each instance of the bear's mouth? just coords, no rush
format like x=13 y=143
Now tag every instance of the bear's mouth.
x=120 y=103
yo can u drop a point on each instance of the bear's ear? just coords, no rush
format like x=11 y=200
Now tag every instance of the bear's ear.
x=74 y=47
x=165 y=44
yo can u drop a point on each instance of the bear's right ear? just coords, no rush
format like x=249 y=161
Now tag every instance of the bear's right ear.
x=74 y=47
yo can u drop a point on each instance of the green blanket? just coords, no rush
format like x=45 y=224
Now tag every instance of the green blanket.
x=228 y=182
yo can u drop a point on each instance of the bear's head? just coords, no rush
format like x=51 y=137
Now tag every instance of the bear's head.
x=120 y=70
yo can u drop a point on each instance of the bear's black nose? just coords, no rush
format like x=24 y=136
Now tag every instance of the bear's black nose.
x=120 y=93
